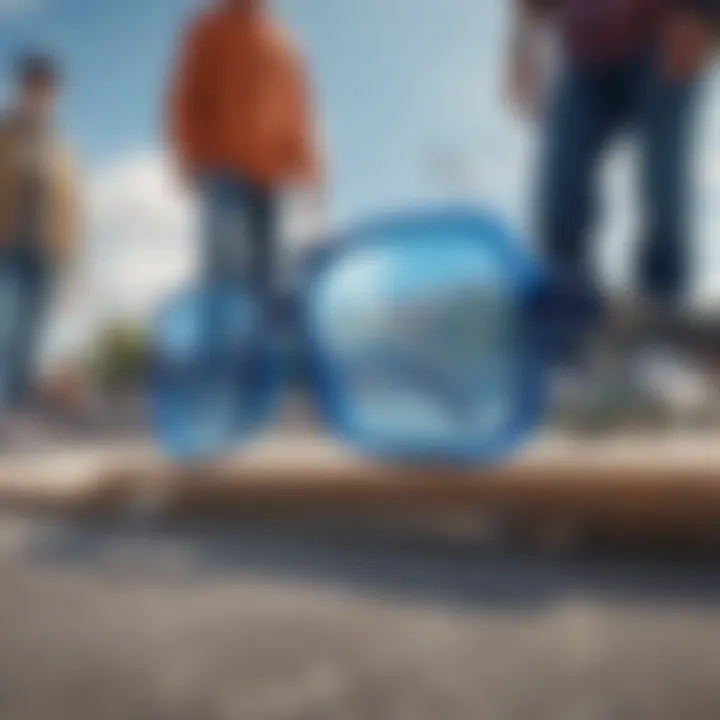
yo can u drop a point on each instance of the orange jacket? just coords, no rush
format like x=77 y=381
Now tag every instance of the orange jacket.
x=240 y=100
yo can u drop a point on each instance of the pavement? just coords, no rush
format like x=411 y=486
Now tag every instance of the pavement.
x=298 y=581
x=188 y=620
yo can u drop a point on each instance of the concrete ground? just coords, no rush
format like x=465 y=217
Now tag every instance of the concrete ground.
x=338 y=621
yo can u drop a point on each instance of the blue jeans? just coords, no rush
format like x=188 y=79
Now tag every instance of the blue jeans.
x=25 y=283
x=239 y=242
x=591 y=107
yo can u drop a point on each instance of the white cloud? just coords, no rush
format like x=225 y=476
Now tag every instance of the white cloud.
x=140 y=245
x=141 y=235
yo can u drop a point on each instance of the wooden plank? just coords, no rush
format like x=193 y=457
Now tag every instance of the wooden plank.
x=633 y=481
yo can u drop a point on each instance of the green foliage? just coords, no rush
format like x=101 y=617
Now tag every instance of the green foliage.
x=120 y=357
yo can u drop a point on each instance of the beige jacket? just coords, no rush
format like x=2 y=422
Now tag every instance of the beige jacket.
x=60 y=221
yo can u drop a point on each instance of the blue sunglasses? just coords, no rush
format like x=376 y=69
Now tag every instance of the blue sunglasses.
x=428 y=336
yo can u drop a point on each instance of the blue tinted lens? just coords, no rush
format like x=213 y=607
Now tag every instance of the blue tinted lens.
x=212 y=371
x=420 y=336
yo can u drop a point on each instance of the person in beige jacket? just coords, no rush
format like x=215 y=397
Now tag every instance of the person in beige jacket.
x=39 y=221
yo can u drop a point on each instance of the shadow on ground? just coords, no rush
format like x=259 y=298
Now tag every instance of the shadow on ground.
x=419 y=564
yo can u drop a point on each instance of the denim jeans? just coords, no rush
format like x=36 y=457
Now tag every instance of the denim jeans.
x=25 y=284
x=239 y=243
x=592 y=106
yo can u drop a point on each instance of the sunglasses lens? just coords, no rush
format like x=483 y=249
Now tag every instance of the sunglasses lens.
x=422 y=342
x=212 y=375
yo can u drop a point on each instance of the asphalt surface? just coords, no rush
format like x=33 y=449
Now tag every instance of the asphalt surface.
x=272 y=621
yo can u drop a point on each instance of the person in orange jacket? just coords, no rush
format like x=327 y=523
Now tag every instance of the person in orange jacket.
x=241 y=128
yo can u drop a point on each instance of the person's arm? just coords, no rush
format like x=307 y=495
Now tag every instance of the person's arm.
x=5 y=184
x=690 y=37
x=305 y=146
x=71 y=221
x=529 y=16
x=309 y=186
x=525 y=63
x=184 y=127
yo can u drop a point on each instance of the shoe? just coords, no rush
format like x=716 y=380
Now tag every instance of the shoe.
x=677 y=387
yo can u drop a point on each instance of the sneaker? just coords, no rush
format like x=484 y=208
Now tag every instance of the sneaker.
x=677 y=385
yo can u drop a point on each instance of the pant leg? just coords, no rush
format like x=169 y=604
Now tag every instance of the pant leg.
x=666 y=127
x=240 y=236
x=264 y=264
x=26 y=292
x=225 y=242
x=580 y=124
x=9 y=312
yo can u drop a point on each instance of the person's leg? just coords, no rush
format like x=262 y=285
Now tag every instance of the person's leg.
x=30 y=295
x=240 y=236
x=666 y=127
x=264 y=268
x=580 y=124
x=583 y=119
x=226 y=229
x=10 y=291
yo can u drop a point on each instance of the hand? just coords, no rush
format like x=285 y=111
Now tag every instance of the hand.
x=186 y=174
x=525 y=82
x=688 y=45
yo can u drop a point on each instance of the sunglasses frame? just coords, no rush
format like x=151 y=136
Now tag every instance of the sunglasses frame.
x=325 y=381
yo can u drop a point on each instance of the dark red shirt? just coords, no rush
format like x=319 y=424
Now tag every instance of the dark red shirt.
x=600 y=30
